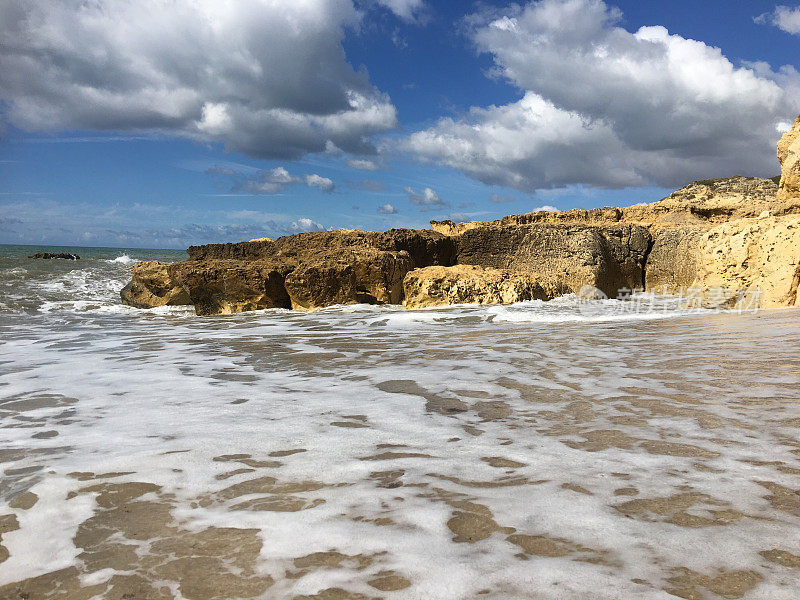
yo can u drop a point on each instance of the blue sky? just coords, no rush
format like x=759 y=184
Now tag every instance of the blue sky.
x=147 y=124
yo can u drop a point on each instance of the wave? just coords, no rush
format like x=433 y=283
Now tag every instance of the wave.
x=124 y=260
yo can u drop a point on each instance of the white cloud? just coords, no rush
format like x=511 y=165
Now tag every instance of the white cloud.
x=387 y=209
x=306 y=224
x=498 y=199
x=426 y=198
x=606 y=107
x=317 y=181
x=279 y=175
x=545 y=208
x=410 y=11
x=268 y=182
x=362 y=165
x=266 y=78
x=783 y=17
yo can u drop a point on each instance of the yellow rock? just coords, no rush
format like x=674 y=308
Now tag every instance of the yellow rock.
x=468 y=284
x=789 y=157
x=753 y=254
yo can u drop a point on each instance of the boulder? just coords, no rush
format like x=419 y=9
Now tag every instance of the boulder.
x=304 y=271
x=153 y=285
x=462 y=284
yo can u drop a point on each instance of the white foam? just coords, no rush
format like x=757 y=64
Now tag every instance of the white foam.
x=124 y=259
x=151 y=382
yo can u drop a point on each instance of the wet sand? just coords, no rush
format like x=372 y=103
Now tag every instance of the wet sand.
x=368 y=454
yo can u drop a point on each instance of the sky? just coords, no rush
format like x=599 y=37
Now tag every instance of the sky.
x=166 y=123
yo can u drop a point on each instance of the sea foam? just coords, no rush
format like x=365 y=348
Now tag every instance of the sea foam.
x=631 y=454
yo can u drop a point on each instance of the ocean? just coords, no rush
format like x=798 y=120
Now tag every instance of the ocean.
x=561 y=450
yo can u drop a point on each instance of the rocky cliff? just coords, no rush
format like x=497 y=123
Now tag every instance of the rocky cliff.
x=739 y=235
x=304 y=271
x=789 y=157
x=313 y=270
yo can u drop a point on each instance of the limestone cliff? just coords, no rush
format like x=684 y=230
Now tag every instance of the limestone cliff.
x=757 y=257
x=738 y=235
x=313 y=270
x=304 y=271
x=606 y=257
x=789 y=157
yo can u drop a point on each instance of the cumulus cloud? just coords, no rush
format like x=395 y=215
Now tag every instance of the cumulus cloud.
x=305 y=224
x=783 y=17
x=607 y=107
x=362 y=165
x=319 y=182
x=279 y=175
x=545 y=208
x=267 y=182
x=427 y=198
x=266 y=78
x=387 y=209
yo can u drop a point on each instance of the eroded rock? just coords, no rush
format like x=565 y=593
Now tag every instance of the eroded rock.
x=608 y=258
x=789 y=157
x=304 y=271
x=461 y=284
x=153 y=285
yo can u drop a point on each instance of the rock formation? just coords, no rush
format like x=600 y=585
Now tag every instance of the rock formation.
x=789 y=157
x=609 y=258
x=313 y=270
x=152 y=286
x=304 y=271
x=726 y=238
x=468 y=284
x=49 y=255
x=759 y=258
